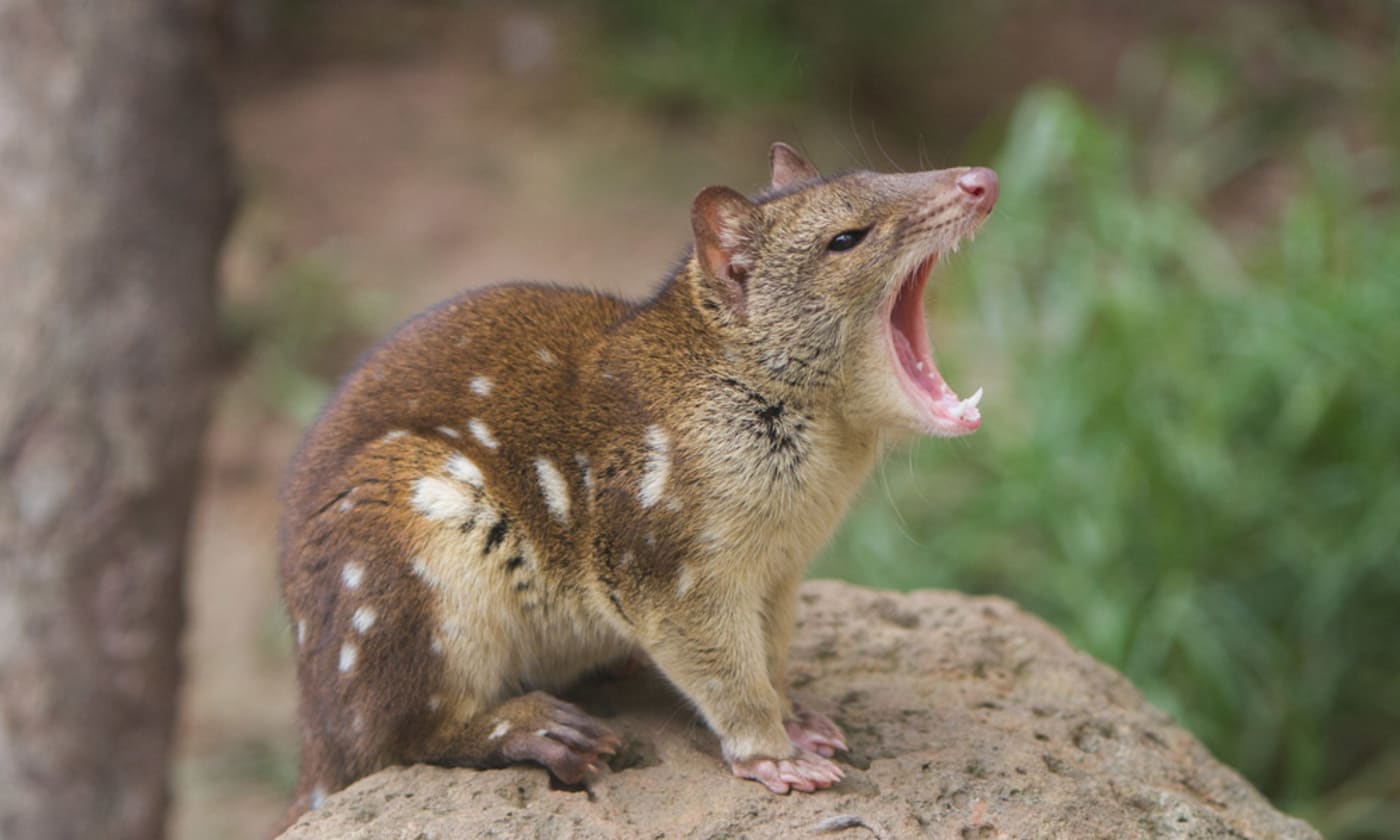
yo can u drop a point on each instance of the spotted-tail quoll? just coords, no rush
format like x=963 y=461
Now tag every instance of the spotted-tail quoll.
x=526 y=483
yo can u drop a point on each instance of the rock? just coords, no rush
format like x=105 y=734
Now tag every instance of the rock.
x=967 y=718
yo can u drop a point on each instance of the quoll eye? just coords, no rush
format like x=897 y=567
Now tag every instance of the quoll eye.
x=846 y=239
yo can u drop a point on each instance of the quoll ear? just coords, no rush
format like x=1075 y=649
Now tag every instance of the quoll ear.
x=789 y=167
x=726 y=242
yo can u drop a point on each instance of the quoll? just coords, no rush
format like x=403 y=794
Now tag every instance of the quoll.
x=526 y=483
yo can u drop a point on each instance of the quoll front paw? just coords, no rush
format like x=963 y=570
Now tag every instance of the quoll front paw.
x=805 y=771
x=559 y=735
x=811 y=730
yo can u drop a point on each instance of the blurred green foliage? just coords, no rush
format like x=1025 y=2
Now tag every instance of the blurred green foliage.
x=298 y=333
x=260 y=762
x=731 y=56
x=677 y=57
x=1191 y=455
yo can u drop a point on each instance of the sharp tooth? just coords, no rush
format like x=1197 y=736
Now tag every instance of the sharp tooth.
x=968 y=405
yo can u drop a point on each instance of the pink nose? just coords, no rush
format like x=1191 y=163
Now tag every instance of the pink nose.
x=979 y=184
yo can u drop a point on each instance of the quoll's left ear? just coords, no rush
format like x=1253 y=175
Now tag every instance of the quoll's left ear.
x=727 y=235
x=789 y=167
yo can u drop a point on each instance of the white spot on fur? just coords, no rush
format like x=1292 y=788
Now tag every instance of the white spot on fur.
x=657 y=467
x=351 y=575
x=541 y=733
x=345 y=504
x=673 y=504
x=363 y=619
x=684 y=580
x=546 y=356
x=318 y=797
x=358 y=724
x=390 y=437
x=348 y=654
x=556 y=492
x=500 y=731
x=481 y=386
x=438 y=498
x=452 y=629
x=626 y=558
x=436 y=646
x=464 y=469
x=420 y=568
x=434 y=702
x=301 y=632
x=449 y=432
x=482 y=433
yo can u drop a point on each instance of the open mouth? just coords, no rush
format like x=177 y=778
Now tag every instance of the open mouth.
x=943 y=412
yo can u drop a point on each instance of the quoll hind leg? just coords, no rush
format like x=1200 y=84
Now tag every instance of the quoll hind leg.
x=535 y=727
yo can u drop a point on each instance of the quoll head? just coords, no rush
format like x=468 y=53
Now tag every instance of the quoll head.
x=818 y=284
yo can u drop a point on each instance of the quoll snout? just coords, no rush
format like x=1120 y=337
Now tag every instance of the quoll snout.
x=980 y=186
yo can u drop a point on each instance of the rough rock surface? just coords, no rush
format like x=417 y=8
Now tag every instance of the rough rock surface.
x=967 y=718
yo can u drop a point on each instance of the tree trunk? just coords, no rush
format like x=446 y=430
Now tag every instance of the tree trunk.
x=114 y=198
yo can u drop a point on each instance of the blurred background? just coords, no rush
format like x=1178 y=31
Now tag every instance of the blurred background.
x=1185 y=311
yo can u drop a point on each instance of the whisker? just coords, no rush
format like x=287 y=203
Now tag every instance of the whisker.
x=875 y=133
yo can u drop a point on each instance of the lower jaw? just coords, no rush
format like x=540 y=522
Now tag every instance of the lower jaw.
x=952 y=427
x=936 y=410
x=947 y=417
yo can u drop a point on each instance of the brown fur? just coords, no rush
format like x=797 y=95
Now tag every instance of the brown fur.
x=706 y=442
